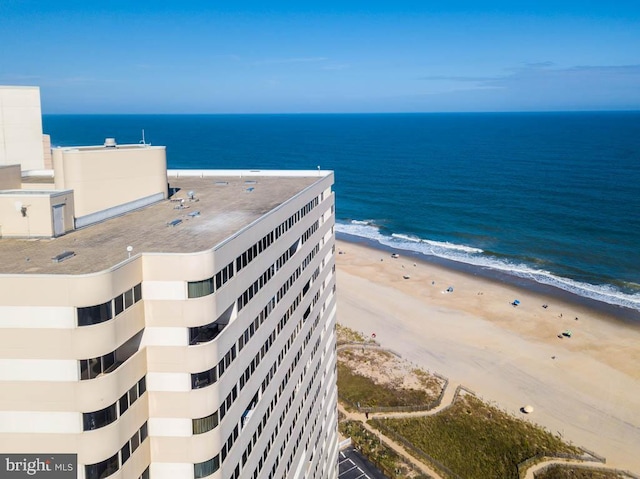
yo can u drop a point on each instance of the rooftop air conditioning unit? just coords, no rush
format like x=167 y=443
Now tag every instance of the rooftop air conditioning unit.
x=109 y=142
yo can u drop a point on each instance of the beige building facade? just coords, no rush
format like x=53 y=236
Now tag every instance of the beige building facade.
x=186 y=329
x=186 y=363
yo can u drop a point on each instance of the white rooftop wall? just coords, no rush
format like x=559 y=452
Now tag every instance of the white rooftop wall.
x=21 y=127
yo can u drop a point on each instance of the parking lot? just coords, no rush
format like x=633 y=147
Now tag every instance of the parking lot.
x=352 y=465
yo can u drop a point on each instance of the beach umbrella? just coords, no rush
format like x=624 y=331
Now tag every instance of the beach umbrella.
x=516 y=302
x=527 y=409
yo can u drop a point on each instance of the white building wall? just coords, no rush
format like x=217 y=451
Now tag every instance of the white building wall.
x=38 y=370
x=21 y=127
x=37 y=317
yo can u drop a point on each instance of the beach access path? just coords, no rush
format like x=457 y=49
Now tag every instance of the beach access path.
x=585 y=388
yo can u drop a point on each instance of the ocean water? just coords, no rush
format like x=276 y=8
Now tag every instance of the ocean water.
x=548 y=197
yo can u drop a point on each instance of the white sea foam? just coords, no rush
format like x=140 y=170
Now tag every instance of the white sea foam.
x=474 y=256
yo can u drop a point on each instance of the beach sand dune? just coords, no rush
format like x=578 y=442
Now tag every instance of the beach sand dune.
x=586 y=387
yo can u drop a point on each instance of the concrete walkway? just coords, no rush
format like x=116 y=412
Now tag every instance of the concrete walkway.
x=447 y=400
x=356 y=416
x=553 y=461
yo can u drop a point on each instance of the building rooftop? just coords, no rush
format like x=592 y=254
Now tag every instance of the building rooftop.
x=225 y=204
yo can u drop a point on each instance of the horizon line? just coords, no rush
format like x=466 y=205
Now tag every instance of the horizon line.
x=466 y=112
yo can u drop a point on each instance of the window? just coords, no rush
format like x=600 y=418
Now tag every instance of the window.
x=128 y=298
x=205 y=424
x=135 y=442
x=101 y=469
x=124 y=404
x=118 y=304
x=92 y=368
x=204 y=334
x=137 y=292
x=125 y=453
x=203 y=379
x=142 y=386
x=206 y=468
x=98 y=419
x=197 y=289
x=94 y=314
x=108 y=361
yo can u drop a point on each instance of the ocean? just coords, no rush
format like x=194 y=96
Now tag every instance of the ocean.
x=550 y=198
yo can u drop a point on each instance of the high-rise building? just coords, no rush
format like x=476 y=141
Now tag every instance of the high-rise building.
x=171 y=324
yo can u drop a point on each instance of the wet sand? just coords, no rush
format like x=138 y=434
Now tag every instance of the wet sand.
x=586 y=387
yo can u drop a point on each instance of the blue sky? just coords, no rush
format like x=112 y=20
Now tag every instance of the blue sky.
x=117 y=56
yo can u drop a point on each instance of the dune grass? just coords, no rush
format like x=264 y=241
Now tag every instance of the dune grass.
x=356 y=389
x=576 y=472
x=475 y=440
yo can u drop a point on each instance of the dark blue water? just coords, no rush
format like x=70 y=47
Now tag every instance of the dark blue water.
x=553 y=197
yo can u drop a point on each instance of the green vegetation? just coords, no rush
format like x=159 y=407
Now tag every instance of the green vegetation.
x=428 y=381
x=576 y=472
x=346 y=335
x=474 y=440
x=354 y=388
x=386 y=459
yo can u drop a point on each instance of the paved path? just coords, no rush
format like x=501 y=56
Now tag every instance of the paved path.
x=356 y=416
x=447 y=399
x=592 y=465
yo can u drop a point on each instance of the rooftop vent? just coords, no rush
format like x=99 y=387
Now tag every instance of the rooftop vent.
x=109 y=142
x=62 y=256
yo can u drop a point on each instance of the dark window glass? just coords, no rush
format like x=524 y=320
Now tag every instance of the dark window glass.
x=197 y=289
x=94 y=314
x=206 y=468
x=124 y=404
x=118 y=304
x=133 y=394
x=102 y=469
x=135 y=442
x=145 y=474
x=204 y=334
x=98 y=419
x=128 y=298
x=108 y=361
x=137 y=292
x=203 y=379
x=205 y=424
x=84 y=369
x=95 y=367
x=125 y=452
x=142 y=386
x=144 y=432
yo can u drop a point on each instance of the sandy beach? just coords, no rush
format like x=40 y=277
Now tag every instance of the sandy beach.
x=586 y=387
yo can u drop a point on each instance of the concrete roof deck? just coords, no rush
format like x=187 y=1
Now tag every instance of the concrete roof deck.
x=226 y=205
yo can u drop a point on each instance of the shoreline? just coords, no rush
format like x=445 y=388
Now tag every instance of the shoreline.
x=585 y=388
x=612 y=311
